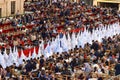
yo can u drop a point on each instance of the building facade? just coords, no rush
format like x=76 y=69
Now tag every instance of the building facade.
x=11 y=7
x=107 y=3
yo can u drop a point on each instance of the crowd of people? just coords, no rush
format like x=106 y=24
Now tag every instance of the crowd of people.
x=57 y=18
x=98 y=60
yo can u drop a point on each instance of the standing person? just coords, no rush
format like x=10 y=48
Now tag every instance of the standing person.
x=17 y=13
x=28 y=66
x=87 y=67
x=117 y=68
x=47 y=2
x=42 y=61
x=73 y=63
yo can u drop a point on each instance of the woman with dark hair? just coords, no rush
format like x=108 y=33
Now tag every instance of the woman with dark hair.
x=81 y=76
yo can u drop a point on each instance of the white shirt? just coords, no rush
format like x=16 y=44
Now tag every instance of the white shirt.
x=93 y=79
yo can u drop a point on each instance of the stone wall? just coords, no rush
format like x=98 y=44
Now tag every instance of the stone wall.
x=6 y=7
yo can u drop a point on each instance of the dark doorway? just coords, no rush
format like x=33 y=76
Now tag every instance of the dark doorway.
x=13 y=7
x=89 y=2
x=109 y=5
